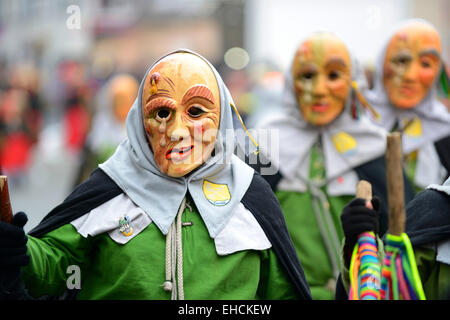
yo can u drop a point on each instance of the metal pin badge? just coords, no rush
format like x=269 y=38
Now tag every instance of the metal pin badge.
x=124 y=224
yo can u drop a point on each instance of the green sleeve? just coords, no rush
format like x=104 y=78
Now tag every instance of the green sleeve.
x=274 y=283
x=435 y=276
x=50 y=256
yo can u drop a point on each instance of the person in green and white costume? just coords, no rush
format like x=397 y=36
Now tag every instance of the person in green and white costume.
x=408 y=75
x=428 y=228
x=172 y=214
x=326 y=145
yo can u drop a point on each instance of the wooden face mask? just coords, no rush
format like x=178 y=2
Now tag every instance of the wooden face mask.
x=181 y=110
x=122 y=92
x=411 y=64
x=321 y=73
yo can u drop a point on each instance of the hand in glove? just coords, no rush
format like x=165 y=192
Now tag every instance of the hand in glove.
x=13 y=256
x=359 y=216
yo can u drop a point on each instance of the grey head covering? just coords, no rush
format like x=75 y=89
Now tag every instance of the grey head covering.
x=365 y=142
x=432 y=114
x=135 y=171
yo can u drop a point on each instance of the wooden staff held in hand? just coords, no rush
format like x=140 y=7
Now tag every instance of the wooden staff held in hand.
x=5 y=203
x=364 y=191
x=395 y=187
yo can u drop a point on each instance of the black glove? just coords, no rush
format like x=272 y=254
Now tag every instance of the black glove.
x=356 y=218
x=13 y=256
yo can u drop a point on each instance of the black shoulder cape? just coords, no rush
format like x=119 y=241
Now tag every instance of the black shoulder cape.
x=259 y=200
x=373 y=171
x=443 y=150
x=428 y=217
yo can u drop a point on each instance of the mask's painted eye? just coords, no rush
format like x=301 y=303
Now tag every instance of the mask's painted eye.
x=163 y=114
x=307 y=75
x=333 y=75
x=195 y=111
x=425 y=64
x=402 y=60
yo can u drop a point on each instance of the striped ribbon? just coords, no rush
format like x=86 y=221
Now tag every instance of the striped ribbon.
x=365 y=269
x=399 y=277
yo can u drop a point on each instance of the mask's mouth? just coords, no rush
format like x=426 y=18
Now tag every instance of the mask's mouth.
x=408 y=90
x=320 y=107
x=179 y=153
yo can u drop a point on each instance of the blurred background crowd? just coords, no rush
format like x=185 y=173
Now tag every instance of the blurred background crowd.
x=69 y=70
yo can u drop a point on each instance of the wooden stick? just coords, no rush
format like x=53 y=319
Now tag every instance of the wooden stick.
x=395 y=188
x=5 y=203
x=364 y=190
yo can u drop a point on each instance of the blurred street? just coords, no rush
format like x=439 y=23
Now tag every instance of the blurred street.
x=48 y=181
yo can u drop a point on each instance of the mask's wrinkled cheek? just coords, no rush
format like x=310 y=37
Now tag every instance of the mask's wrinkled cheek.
x=426 y=77
x=342 y=93
x=204 y=134
x=303 y=93
x=198 y=130
x=151 y=131
x=154 y=138
x=339 y=89
x=392 y=77
x=306 y=92
x=388 y=72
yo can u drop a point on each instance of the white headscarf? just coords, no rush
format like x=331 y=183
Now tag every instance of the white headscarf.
x=135 y=171
x=361 y=142
x=433 y=117
x=445 y=187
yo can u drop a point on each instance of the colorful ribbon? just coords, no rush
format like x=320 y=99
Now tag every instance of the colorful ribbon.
x=365 y=269
x=400 y=277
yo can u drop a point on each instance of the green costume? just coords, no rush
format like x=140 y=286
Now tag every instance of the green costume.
x=318 y=252
x=318 y=171
x=135 y=270
x=434 y=275
x=216 y=232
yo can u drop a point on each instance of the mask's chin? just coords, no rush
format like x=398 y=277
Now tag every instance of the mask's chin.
x=405 y=104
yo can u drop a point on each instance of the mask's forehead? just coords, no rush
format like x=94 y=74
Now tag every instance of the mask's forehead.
x=320 y=48
x=415 y=36
x=178 y=72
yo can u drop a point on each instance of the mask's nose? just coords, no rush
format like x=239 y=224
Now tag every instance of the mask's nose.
x=178 y=131
x=320 y=86
x=411 y=72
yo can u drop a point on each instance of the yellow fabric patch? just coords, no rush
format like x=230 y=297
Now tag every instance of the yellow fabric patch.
x=413 y=129
x=344 y=142
x=217 y=194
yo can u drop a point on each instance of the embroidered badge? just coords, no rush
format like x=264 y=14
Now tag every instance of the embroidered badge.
x=413 y=128
x=125 y=228
x=217 y=194
x=344 y=143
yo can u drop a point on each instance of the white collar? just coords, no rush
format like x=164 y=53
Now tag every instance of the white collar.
x=242 y=232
